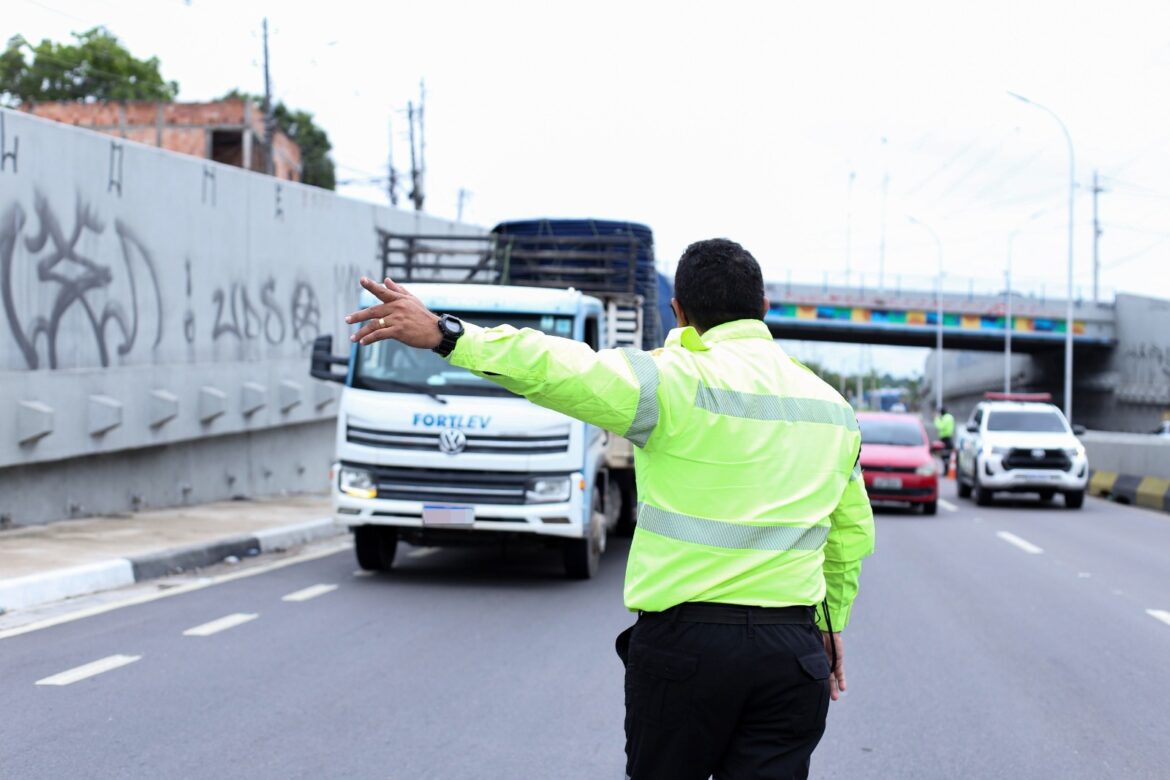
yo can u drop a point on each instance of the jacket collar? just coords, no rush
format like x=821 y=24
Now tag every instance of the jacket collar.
x=690 y=339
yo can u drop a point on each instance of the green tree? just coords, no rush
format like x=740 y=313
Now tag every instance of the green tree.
x=316 y=166
x=96 y=67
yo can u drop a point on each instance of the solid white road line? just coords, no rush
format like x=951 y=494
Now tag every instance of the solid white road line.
x=328 y=548
x=1016 y=541
x=947 y=505
x=1159 y=614
x=311 y=592
x=222 y=624
x=89 y=670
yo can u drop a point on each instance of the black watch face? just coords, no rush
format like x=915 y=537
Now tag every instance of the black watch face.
x=452 y=326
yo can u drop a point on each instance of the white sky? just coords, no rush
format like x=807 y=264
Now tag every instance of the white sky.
x=738 y=119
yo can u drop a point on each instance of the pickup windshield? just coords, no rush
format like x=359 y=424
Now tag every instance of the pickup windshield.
x=1026 y=422
x=894 y=432
x=389 y=366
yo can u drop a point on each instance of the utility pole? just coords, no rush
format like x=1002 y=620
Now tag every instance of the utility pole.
x=464 y=196
x=885 y=197
x=418 y=149
x=269 y=167
x=414 y=192
x=1096 y=239
x=391 y=172
x=849 y=228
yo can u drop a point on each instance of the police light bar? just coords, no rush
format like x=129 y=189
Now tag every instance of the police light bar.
x=1043 y=397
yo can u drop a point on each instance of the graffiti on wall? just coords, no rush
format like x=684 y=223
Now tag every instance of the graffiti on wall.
x=76 y=279
x=1149 y=361
x=252 y=314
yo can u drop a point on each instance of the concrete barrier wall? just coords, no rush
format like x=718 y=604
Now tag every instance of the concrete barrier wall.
x=150 y=300
x=1130 y=467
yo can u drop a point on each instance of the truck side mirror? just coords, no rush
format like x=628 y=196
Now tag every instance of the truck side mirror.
x=322 y=360
x=1079 y=430
x=972 y=427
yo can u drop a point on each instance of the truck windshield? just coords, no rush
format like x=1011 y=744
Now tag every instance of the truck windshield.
x=1027 y=422
x=895 y=432
x=389 y=366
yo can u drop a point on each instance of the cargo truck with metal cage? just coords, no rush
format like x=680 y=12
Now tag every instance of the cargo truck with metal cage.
x=431 y=454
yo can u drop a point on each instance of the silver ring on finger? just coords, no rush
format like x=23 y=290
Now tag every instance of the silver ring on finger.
x=381 y=322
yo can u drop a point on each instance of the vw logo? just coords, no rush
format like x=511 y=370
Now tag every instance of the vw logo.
x=452 y=441
x=1038 y=454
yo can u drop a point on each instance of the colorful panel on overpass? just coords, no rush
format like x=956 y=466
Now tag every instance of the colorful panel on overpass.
x=861 y=315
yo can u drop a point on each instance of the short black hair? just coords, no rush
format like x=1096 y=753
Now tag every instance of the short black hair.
x=718 y=281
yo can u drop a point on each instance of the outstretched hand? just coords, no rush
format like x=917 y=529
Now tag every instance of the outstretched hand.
x=399 y=316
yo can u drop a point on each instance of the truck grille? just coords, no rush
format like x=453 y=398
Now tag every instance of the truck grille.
x=455 y=487
x=477 y=443
x=1023 y=458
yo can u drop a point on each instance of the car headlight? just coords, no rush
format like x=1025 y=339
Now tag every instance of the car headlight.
x=357 y=483
x=547 y=490
x=926 y=469
x=988 y=450
x=1075 y=452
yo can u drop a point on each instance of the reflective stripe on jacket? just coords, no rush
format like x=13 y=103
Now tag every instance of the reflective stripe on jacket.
x=746 y=462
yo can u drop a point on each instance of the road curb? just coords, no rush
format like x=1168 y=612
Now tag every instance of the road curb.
x=58 y=584
x=1149 y=492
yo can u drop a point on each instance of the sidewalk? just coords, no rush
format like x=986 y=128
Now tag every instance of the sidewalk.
x=44 y=563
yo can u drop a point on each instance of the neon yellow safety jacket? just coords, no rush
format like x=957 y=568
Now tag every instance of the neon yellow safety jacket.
x=747 y=468
x=944 y=425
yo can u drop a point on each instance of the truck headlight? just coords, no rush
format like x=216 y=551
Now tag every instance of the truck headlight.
x=989 y=450
x=1075 y=452
x=926 y=469
x=548 y=490
x=357 y=483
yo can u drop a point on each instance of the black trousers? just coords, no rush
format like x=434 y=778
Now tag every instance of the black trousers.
x=736 y=702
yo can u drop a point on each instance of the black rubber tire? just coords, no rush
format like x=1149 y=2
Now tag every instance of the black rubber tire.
x=982 y=496
x=1074 y=499
x=964 y=488
x=582 y=557
x=628 y=513
x=930 y=508
x=375 y=547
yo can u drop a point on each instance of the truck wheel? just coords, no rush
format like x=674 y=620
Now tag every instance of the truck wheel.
x=982 y=495
x=964 y=488
x=582 y=557
x=930 y=508
x=1046 y=495
x=375 y=547
x=1074 y=499
x=628 y=509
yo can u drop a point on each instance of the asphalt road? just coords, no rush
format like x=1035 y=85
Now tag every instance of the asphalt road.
x=970 y=655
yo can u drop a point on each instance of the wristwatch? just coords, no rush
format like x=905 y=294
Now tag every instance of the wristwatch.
x=451 y=328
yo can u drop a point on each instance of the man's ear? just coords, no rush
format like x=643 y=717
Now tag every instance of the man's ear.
x=679 y=314
x=767 y=305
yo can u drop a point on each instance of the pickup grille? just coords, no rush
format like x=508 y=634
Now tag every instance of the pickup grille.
x=1023 y=458
x=482 y=444
x=454 y=487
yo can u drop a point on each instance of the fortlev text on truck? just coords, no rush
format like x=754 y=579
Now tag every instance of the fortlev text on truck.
x=431 y=454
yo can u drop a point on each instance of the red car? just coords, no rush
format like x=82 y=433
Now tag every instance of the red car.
x=897 y=460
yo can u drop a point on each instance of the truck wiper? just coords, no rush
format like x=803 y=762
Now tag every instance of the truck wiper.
x=379 y=384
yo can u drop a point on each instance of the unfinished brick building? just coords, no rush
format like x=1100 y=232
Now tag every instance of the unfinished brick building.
x=227 y=131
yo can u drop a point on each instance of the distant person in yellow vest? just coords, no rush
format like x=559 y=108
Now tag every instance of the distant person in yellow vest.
x=944 y=425
x=752 y=519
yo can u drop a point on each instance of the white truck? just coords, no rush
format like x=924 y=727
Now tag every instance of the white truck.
x=430 y=454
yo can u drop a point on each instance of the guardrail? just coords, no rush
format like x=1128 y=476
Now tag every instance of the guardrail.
x=1130 y=468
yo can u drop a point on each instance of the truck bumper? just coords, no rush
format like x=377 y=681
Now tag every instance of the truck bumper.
x=993 y=476
x=561 y=520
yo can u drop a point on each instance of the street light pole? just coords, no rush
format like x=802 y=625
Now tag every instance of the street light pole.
x=1068 y=315
x=938 y=329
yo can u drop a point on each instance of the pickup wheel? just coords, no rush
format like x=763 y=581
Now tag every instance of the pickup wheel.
x=930 y=508
x=375 y=547
x=1074 y=499
x=582 y=557
x=982 y=495
x=964 y=488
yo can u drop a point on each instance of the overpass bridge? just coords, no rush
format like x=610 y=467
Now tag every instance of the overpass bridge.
x=909 y=318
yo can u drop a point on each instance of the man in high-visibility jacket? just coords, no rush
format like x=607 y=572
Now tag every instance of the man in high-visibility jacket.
x=944 y=426
x=752 y=513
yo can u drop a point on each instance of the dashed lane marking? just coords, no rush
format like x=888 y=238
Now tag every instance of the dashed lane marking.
x=363 y=573
x=1159 y=614
x=947 y=505
x=89 y=670
x=422 y=552
x=311 y=592
x=222 y=624
x=1016 y=541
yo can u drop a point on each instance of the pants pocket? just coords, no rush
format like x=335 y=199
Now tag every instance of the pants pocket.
x=658 y=690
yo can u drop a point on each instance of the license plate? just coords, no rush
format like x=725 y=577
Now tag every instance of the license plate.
x=889 y=483
x=1042 y=476
x=447 y=514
